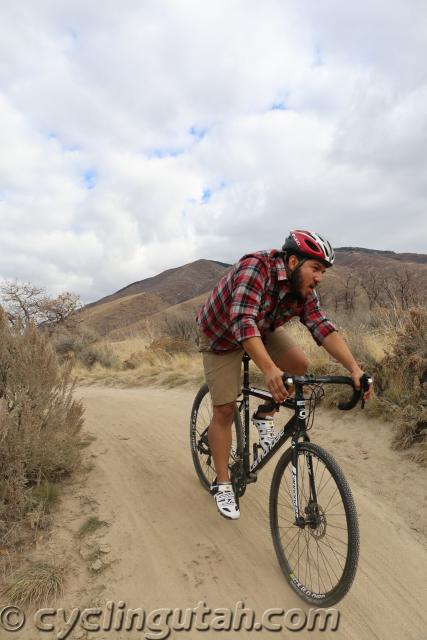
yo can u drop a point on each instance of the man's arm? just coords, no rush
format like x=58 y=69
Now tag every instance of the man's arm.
x=336 y=346
x=272 y=374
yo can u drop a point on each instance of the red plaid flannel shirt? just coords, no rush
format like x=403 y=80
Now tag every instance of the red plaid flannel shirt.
x=254 y=297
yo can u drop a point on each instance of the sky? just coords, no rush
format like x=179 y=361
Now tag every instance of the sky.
x=141 y=135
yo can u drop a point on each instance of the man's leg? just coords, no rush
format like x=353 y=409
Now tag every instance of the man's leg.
x=223 y=374
x=219 y=436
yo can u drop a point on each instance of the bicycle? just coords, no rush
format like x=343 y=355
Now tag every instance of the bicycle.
x=310 y=500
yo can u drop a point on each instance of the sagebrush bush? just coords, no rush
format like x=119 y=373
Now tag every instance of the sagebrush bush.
x=135 y=359
x=82 y=345
x=400 y=379
x=39 y=420
x=172 y=344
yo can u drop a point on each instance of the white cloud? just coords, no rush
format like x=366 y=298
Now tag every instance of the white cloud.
x=141 y=136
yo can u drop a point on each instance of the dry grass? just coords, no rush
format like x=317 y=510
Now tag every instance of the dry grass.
x=45 y=494
x=148 y=360
x=390 y=343
x=39 y=429
x=37 y=584
x=155 y=368
x=92 y=524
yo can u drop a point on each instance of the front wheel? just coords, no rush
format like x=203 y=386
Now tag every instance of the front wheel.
x=319 y=554
x=201 y=416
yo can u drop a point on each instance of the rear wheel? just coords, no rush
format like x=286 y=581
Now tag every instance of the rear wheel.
x=201 y=416
x=318 y=555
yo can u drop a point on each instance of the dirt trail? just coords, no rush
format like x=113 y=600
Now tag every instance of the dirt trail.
x=169 y=548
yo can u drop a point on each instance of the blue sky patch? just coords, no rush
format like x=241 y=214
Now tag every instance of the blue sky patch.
x=279 y=106
x=198 y=132
x=165 y=153
x=89 y=178
x=206 y=196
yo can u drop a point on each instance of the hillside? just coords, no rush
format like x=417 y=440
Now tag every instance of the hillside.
x=128 y=307
x=119 y=313
x=174 y=285
x=184 y=288
x=349 y=254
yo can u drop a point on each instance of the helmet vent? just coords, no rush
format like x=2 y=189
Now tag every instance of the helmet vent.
x=312 y=246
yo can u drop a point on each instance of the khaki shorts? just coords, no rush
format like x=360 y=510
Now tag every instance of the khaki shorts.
x=223 y=370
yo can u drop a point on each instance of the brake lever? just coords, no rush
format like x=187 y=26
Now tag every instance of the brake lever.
x=365 y=381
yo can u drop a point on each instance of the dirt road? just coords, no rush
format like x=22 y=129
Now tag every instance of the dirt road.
x=169 y=548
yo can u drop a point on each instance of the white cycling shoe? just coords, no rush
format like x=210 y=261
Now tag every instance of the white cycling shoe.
x=225 y=500
x=265 y=427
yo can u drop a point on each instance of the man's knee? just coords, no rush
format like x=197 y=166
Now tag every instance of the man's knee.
x=224 y=413
x=300 y=366
x=294 y=361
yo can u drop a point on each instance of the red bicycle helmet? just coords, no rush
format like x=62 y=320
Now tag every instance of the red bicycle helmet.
x=309 y=245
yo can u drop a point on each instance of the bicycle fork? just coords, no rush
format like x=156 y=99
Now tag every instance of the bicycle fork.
x=310 y=510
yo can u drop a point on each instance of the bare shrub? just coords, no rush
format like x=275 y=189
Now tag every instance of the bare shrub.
x=73 y=342
x=172 y=344
x=135 y=359
x=98 y=354
x=180 y=325
x=83 y=346
x=39 y=421
x=421 y=455
x=400 y=379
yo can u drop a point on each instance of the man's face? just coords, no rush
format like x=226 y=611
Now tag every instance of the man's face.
x=308 y=276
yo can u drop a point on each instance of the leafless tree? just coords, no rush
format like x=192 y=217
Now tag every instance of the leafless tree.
x=24 y=302
x=372 y=283
x=350 y=285
x=403 y=288
x=62 y=310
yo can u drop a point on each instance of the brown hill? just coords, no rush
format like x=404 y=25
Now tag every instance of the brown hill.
x=351 y=255
x=175 y=285
x=120 y=313
x=124 y=311
x=184 y=289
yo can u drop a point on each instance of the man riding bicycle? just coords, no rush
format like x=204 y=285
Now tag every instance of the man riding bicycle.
x=246 y=311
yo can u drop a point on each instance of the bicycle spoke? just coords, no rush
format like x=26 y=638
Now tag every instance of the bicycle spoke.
x=323 y=541
x=297 y=533
x=320 y=579
x=328 y=535
x=335 y=553
x=285 y=506
x=324 y=485
x=335 y=505
x=316 y=564
x=326 y=566
x=330 y=499
x=319 y=483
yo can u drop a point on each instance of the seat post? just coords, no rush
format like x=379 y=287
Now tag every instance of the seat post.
x=246 y=359
x=246 y=462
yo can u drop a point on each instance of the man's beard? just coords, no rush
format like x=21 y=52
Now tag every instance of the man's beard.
x=295 y=281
